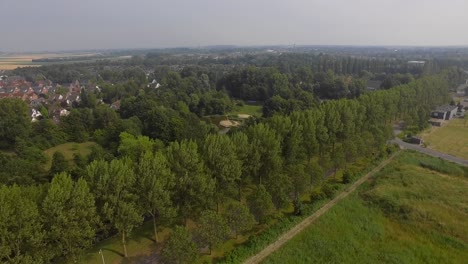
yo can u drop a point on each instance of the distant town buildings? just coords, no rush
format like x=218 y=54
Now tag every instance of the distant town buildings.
x=41 y=93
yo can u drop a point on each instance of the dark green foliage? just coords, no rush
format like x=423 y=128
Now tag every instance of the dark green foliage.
x=297 y=207
x=155 y=183
x=113 y=185
x=194 y=188
x=260 y=204
x=222 y=164
x=280 y=187
x=59 y=164
x=238 y=218
x=14 y=121
x=78 y=124
x=348 y=176
x=329 y=189
x=46 y=134
x=71 y=217
x=21 y=233
x=317 y=195
x=212 y=229
x=135 y=146
x=179 y=248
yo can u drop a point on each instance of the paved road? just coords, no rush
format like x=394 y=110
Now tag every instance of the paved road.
x=430 y=152
x=309 y=220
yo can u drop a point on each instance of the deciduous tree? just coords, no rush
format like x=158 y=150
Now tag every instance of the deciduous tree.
x=212 y=229
x=14 y=121
x=238 y=218
x=260 y=204
x=194 y=188
x=222 y=164
x=21 y=233
x=155 y=183
x=180 y=248
x=70 y=216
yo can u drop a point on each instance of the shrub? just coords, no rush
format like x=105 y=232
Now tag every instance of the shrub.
x=348 y=176
x=317 y=195
x=329 y=189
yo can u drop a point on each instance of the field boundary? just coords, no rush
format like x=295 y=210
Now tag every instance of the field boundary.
x=311 y=219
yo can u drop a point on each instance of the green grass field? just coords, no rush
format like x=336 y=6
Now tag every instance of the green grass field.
x=407 y=213
x=451 y=139
x=68 y=149
x=248 y=109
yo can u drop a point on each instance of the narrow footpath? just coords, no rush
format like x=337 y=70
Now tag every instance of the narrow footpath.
x=309 y=220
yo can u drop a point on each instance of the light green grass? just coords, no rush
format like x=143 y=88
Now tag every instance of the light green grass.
x=68 y=149
x=406 y=214
x=451 y=139
x=248 y=109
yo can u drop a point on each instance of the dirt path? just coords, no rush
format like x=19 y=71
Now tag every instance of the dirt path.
x=309 y=220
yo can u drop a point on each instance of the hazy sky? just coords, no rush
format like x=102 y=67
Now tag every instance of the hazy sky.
x=31 y=25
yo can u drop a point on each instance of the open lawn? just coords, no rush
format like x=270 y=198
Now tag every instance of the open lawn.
x=248 y=109
x=68 y=149
x=451 y=139
x=407 y=213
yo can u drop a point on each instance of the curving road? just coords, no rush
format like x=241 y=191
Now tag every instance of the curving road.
x=430 y=152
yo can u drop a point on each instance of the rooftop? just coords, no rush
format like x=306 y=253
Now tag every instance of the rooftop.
x=446 y=108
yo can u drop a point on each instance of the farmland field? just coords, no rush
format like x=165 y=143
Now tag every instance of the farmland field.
x=410 y=212
x=451 y=139
x=13 y=61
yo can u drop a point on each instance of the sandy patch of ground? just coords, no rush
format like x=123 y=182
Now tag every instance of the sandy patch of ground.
x=243 y=116
x=229 y=123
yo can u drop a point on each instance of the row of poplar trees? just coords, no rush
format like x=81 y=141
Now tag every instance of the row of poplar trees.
x=281 y=158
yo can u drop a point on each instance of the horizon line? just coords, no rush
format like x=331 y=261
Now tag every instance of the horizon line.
x=195 y=47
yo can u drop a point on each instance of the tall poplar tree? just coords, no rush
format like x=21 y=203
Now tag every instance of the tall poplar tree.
x=194 y=188
x=222 y=164
x=155 y=183
x=70 y=216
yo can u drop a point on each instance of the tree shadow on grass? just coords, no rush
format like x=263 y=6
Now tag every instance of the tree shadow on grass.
x=113 y=251
x=153 y=257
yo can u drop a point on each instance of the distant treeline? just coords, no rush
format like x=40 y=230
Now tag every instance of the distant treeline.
x=68 y=59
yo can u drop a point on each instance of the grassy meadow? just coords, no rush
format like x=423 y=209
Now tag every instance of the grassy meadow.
x=68 y=150
x=253 y=109
x=413 y=211
x=451 y=139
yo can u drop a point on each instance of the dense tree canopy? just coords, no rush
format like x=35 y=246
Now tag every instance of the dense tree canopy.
x=14 y=121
